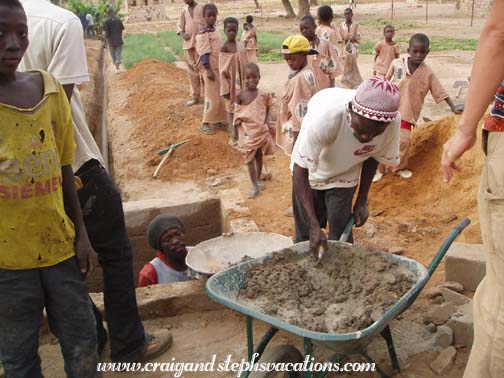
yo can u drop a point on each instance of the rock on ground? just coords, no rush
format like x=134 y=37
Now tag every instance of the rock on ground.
x=444 y=361
x=454 y=297
x=444 y=337
x=440 y=314
x=455 y=286
x=463 y=329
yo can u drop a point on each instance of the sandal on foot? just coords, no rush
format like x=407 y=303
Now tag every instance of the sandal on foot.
x=254 y=193
x=193 y=101
x=206 y=129
x=221 y=126
x=404 y=173
x=261 y=185
x=378 y=176
x=289 y=212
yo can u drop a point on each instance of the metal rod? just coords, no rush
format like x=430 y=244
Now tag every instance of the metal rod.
x=472 y=13
x=308 y=349
x=250 y=338
x=426 y=11
x=387 y=335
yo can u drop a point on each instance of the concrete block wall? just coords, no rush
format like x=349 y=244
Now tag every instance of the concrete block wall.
x=465 y=264
x=201 y=218
x=481 y=7
x=143 y=13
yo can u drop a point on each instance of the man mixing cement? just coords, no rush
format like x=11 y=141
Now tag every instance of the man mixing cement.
x=344 y=135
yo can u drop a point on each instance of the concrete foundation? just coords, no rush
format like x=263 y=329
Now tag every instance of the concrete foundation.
x=465 y=263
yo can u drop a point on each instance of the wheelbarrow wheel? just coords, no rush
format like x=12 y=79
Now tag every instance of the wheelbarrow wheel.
x=279 y=354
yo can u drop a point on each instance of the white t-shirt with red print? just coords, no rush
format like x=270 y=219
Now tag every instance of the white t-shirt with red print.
x=327 y=147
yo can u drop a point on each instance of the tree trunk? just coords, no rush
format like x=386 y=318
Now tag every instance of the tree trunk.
x=304 y=8
x=256 y=2
x=288 y=8
x=314 y=3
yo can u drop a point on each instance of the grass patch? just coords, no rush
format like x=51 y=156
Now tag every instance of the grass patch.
x=270 y=45
x=380 y=23
x=437 y=44
x=140 y=46
x=170 y=38
x=166 y=45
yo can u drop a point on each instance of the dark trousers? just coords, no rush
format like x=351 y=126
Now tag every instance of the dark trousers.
x=61 y=290
x=333 y=206
x=102 y=209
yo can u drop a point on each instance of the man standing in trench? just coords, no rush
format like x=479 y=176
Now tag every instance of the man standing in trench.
x=57 y=46
x=189 y=25
x=344 y=135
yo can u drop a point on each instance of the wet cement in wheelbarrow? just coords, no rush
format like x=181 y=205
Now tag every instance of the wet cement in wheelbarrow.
x=347 y=292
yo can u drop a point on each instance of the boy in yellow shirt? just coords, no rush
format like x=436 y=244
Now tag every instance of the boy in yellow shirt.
x=44 y=248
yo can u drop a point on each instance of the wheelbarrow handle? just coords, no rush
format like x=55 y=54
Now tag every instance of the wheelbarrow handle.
x=348 y=229
x=446 y=245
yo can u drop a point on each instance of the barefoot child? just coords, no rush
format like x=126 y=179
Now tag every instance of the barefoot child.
x=325 y=30
x=385 y=52
x=415 y=79
x=301 y=85
x=232 y=61
x=350 y=33
x=252 y=114
x=208 y=44
x=323 y=64
x=45 y=251
x=249 y=39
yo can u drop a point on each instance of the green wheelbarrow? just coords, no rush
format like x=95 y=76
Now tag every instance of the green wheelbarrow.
x=224 y=287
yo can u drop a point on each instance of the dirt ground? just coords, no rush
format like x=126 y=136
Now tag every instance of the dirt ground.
x=415 y=214
x=409 y=16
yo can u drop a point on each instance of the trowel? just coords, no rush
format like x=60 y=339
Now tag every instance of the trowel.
x=343 y=238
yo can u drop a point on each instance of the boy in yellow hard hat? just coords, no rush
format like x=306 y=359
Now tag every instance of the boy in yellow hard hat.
x=299 y=88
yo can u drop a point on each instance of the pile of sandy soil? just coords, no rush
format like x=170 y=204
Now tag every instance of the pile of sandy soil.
x=347 y=292
x=156 y=105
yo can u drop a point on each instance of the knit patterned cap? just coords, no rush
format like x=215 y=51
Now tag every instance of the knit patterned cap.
x=159 y=225
x=377 y=99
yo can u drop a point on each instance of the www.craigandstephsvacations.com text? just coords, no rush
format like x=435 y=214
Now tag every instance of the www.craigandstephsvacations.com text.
x=238 y=367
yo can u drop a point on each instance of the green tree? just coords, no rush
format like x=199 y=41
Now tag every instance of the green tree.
x=99 y=11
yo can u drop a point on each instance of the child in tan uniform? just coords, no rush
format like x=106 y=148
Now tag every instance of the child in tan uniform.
x=350 y=33
x=414 y=79
x=326 y=32
x=385 y=52
x=300 y=87
x=208 y=44
x=249 y=39
x=190 y=23
x=323 y=64
x=232 y=61
x=252 y=114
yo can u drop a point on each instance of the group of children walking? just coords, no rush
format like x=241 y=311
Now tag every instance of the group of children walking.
x=316 y=57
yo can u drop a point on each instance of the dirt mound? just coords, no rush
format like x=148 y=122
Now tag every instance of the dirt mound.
x=347 y=292
x=425 y=196
x=156 y=105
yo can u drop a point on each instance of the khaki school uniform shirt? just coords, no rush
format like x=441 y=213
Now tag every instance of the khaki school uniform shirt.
x=191 y=25
x=414 y=87
x=386 y=55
